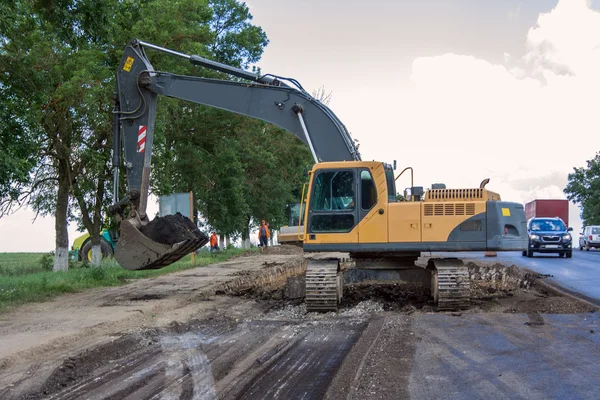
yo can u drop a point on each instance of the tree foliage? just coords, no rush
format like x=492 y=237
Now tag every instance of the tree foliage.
x=59 y=58
x=583 y=189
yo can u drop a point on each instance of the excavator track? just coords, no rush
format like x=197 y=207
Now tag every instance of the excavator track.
x=323 y=285
x=450 y=284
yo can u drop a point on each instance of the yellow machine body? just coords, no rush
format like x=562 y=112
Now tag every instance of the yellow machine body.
x=352 y=207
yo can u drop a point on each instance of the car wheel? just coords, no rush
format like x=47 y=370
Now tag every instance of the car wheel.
x=524 y=253
x=561 y=254
x=587 y=248
x=569 y=254
x=529 y=253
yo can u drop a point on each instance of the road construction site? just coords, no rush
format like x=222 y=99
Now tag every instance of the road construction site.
x=239 y=329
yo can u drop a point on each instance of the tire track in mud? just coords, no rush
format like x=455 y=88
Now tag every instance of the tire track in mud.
x=254 y=359
x=306 y=368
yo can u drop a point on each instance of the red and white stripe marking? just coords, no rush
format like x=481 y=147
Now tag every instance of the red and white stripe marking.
x=141 y=139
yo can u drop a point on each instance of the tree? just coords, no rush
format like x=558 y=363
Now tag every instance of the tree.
x=321 y=95
x=59 y=60
x=201 y=149
x=583 y=189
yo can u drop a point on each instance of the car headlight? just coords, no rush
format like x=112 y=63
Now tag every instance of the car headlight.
x=567 y=237
x=534 y=237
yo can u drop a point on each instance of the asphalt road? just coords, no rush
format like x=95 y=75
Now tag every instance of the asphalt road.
x=580 y=274
x=505 y=358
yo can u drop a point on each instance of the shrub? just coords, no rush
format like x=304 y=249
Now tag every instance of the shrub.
x=47 y=261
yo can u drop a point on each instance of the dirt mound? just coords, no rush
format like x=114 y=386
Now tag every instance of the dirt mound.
x=547 y=301
x=172 y=229
x=284 y=250
x=392 y=296
x=281 y=250
x=266 y=284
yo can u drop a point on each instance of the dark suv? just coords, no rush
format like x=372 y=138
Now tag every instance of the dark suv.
x=549 y=235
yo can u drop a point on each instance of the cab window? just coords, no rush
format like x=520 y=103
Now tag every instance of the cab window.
x=333 y=191
x=391 y=185
x=333 y=202
x=368 y=194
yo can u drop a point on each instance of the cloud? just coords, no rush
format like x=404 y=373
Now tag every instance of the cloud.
x=525 y=125
x=555 y=180
x=566 y=40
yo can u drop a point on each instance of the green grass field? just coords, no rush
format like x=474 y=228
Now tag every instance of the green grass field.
x=28 y=277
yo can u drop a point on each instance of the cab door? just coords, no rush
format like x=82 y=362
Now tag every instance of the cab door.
x=372 y=209
x=333 y=210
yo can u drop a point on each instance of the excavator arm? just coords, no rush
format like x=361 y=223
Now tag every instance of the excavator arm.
x=143 y=244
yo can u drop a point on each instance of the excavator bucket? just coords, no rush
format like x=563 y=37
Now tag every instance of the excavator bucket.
x=158 y=243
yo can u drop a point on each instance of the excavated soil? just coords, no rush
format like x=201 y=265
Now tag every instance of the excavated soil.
x=404 y=297
x=494 y=288
x=172 y=229
x=245 y=337
x=283 y=250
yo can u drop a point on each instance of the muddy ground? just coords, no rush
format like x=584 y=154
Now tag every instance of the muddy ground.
x=229 y=331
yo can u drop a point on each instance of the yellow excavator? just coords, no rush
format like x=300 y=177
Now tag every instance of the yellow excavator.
x=348 y=206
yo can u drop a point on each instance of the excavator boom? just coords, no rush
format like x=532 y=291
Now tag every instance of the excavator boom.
x=265 y=97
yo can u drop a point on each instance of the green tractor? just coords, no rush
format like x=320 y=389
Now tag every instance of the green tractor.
x=82 y=246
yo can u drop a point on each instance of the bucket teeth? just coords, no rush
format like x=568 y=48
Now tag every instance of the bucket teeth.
x=323 y=285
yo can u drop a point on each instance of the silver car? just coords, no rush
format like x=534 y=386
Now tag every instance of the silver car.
x=590 y=238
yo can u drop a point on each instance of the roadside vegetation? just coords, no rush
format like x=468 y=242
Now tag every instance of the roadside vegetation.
x=59 y=61
x=28 y=277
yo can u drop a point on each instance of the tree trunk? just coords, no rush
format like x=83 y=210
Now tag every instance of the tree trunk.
x=96 y=248
x=61 y=258
x=227 y=241
x=246 y=234
x=93 y=224
x=222 y=241
x=97 y=225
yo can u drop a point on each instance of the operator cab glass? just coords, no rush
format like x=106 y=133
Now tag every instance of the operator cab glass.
x=333 y=202
x=391 y=184
x=342 y=198
x=295 y=217
x=547 y=225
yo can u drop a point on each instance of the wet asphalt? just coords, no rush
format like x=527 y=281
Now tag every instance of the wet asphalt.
x=579 y=274
x=504 y=356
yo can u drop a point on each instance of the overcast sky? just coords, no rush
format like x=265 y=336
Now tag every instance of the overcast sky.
x=460 y=90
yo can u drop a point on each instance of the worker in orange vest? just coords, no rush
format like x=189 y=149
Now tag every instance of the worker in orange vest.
x=214 y=242
x=263 y=234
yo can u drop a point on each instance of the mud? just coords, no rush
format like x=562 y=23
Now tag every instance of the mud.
x=265 y=284
x=494 y=288
x=501 y=277
x=77 y=368
x=172 y=229
x=247 y=340
x=404 y=297
x=282 y=249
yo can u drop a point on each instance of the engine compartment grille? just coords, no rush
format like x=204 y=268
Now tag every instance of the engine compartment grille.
x=454 y=194
x=441 y=209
